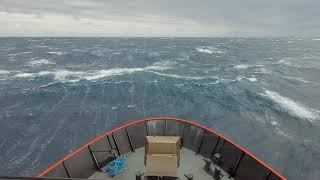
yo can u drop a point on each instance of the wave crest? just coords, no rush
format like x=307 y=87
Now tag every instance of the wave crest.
x=39 y=62
x=292 y=107
x=4 y=72
x=210 y=50
x=64 y=75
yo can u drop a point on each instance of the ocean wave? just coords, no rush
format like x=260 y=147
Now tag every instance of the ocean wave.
x=64 y=75
x=161 y=66
x=318 y=39
x=297 y=79
x=204 y=50
x=246 y=66
x=282 y=61
x=241 y=66
x=75 y=76
x=292 y=107
x=39 y=62
x=24 y=75
x=17 y=54
x=181 y=77
x=252 y=79
x=4 y=72
x=56 y=52
x=277 y=129
x=210 y=50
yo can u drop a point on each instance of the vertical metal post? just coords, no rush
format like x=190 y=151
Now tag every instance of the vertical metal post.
x=222 y=146
x=65 y=168
x=198 y=149
x=146 y=127
x=165 y=127
x=111 y=148
x=268 y=175
x=215 y=147
x=109 y=142
x=115 y=143
x=130 y=142
x=94 y=159
x=184 y=126
x=237 y=165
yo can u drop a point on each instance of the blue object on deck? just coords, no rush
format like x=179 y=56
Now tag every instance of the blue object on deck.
x=116 y=166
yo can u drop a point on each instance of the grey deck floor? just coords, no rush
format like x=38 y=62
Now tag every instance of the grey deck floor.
x=189 y=163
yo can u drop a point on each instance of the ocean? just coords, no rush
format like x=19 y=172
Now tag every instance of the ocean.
x=58 y=93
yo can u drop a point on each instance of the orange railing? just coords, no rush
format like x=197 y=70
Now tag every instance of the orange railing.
x=44 y=172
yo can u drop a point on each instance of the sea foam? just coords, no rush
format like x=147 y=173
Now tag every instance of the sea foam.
x=292 y=107
x=210 y=50
x=204 y=50
x=64 y=75
x=39 y=62
x=241 y=66
x=56 y=52
x=4 y=72
x=252 y=79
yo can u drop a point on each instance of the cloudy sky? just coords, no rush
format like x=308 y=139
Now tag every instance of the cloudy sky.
x=159 y=17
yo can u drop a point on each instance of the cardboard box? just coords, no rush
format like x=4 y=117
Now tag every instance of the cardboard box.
x=162 y=165
x=162 y=144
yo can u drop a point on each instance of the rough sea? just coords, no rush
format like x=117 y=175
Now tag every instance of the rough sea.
x=58 y=93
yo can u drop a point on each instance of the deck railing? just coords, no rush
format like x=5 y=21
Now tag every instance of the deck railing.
x=89 y=158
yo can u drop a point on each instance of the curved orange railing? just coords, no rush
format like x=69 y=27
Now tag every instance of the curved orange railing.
x=160 y=118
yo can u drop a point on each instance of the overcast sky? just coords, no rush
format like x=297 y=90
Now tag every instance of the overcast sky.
x=159 y=17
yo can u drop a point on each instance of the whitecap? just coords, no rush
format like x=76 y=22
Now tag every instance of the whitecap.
x=181 y=77
x=316 y=39
x=252 y=79
x=4 y=72
x=64 y=75
x=204 y=50
x=24 y=75
x=292 y=107
x=284 y=62
x=210 y=50
x=241 y=66
x=280 y=62
x=161 y=66
x=56 y=52
x=17 y=54
x=297 y=79
x=274 y=123
x=39 y=62
x=239 y=78
x=110 y=72
x=277 y=129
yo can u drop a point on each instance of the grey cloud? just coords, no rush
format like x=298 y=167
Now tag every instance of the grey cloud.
x=246 y=17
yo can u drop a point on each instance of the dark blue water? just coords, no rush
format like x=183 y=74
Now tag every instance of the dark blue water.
x=58 y=93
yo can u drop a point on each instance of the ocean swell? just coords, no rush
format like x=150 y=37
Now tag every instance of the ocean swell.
x=292 y=107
